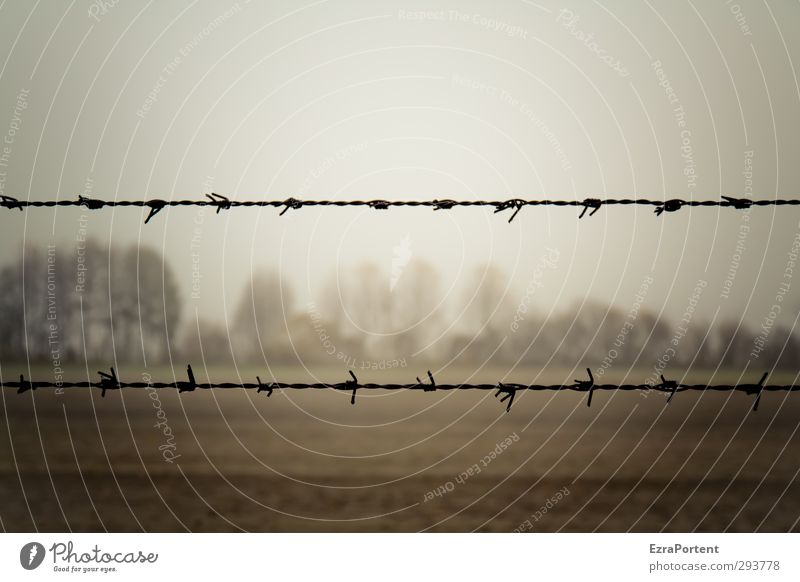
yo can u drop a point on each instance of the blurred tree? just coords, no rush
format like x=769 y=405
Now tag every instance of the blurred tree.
x=97 y=303
x=145 y=303
x=732 y=343
x=486 y=313
x=203 y=340
x=258 y=327
x=12 y=320
x=416 y=312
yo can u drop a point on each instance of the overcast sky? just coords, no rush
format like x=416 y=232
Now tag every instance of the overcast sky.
x=429 y=100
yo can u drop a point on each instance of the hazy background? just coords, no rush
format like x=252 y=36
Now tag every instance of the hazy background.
x=341 y=100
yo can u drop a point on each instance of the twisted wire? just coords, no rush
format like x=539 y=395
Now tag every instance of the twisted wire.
x=109 y=381
x=221 y=202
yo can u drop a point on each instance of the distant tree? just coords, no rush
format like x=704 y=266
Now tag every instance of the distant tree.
x=93 y=321
x=203 y=340
x=94 y=303
x=145 y=305
x=30 y=305
x=487 y=312
x=588 y=333
x=13 y=309
x=788 y=348
x=365 y=304
x=366 y=299
x=415 y=312
x=12 y=330
x=647 y=340
x=732 y=343
x=327 y=318
x=380 y=315
x=258 y=325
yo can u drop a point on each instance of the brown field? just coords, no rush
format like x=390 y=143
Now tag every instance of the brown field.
x=309 y=461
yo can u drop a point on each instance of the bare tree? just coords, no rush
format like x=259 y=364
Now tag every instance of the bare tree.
x=203 y=340
x=259 y=319
x=415 y=314
x=96 y=304
x=487 y=311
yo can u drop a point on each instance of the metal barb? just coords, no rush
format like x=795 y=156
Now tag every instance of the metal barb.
x=509 y=394
x=261 y=387
x=515 y=203
x=108 y=382
x=593 y=203
x=669 y=206
x=427 y=387
x=24 y=385
x=354 y=384
x=443 y=204
x=293 y=203
x=738 y=203
x=586 y=385
x=218 y=200
x=10 y=202
x=760 y=390
x=91 y=203
x=155 y=207
x=189 y=386
x=669 y=385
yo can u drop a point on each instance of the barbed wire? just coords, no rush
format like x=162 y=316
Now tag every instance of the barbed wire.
x=109 y=381
x=221 y=202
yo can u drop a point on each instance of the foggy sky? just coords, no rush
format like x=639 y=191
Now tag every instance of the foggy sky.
x=427 y=100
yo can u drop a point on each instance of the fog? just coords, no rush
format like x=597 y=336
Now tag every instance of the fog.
x=463 y=101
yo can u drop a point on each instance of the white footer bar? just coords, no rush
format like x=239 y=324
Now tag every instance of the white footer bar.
x=407 y=557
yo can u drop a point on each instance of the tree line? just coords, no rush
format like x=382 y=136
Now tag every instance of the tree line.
x=105 y=303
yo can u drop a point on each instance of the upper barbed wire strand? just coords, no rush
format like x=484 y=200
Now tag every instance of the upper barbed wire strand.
x=221 y=202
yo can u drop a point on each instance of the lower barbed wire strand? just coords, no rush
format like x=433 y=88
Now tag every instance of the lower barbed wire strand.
x=414 y=386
